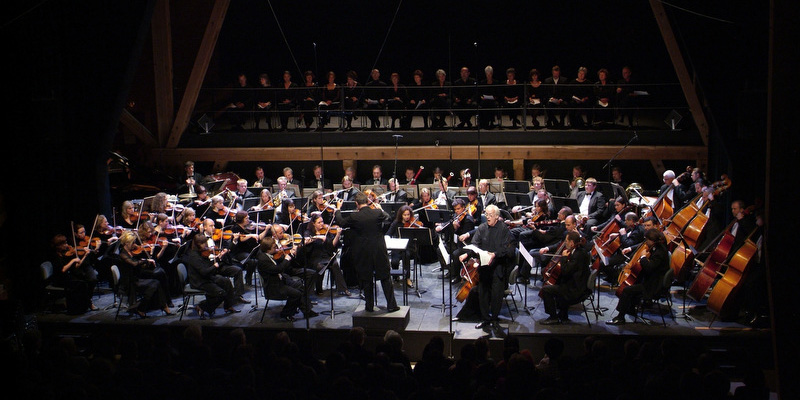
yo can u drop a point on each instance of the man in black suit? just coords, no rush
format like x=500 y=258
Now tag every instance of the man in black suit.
x=377 y=176
x=203 y=276
x=189 y=178
x=592 y=206
x=557 y=100
x=571 y=283
x=242 y=193
x=464 y=97
x=653 y=268
x=261 y=180
x=278 y=282
x=485 y=197
x=371 y=257
x=395 y=194
x=319 y=182
x=375 y=98
x=493 y=237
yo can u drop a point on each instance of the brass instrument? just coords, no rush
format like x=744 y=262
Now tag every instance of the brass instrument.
x=633 y=190
x=578 y=182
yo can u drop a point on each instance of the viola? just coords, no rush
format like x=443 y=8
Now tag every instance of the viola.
x=469 y=271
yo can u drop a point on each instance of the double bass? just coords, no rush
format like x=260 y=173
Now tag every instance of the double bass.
x=720 y=301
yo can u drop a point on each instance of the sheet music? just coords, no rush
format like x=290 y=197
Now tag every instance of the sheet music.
x=483 y=255
x=445 y=254
x=602 y=103
x=536 y=102
x=525 y=254
x=641 y=93
x=600 y=254
x=488 y=97
x=395 y=243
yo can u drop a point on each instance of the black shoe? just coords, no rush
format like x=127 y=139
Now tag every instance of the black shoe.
x=310 y=314
x=393 y=309
x=231 y=310
x=243 y=300
x=483 y=324
x=550 y=321
x=287 y=318
x=369 y=309
x=616 y=321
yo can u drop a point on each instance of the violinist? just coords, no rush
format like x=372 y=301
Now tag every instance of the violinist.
x=403 y=219
x=136 y=283
x=372 y=199
x=264 y=201
x=320 y=245
x=219 y=251
x=461 y=224
x=279 y=280
x=653 y=267
x=474 y=204
x=630 y=237
x=188 y=223
x=571 y=283
x=128 y=215
x=290 y=217
x=525 y=232
x=147 y=250
x=221 y=214
x=202 y=202
x=204 y=274
x=551 y=239
x=319 y=206
x=72 y=272
x=348 y=190
x=157 y=204
x=246 y=236
x=538 y=192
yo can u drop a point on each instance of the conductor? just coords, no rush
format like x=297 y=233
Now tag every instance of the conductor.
x=371 y=257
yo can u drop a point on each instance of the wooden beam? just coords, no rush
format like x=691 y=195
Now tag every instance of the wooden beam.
x=198 y=72
x=519 y=169
x=687 y=85
x=162 y=69
x=351 y=154
x=130 y=124
x=658 y=166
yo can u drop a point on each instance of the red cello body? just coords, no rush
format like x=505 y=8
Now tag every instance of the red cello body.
x=721 y=300
x=553 y=270
x=469 y=271
x=708 y=274
x=630 y=274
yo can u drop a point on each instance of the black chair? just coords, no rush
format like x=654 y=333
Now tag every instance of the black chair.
x=268 y=289
x=512 y=290
x=589 y=295
x=52 y=292
x=188 y=291
x=662 y=293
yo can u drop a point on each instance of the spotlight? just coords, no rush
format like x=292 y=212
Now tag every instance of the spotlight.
x=672 y=120
x=206 y=124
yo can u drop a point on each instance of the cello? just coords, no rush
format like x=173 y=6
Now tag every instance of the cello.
x=630 y=274
x=603 y=244
x=469 y=271
x=553 y=269
x=720 y=300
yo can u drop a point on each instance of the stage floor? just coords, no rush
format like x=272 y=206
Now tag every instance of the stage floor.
x=425 y=302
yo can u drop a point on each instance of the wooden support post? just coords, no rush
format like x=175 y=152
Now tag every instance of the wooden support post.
x=349 y=163
x=162 y=69
x=519 y=169
x=658 y=166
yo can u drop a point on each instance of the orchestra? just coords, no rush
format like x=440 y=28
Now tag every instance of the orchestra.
x=160 y=229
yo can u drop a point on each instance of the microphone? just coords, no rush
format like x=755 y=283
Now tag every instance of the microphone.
x=475 y=44
x=635 y=135
x=315 y=44
x=397 y=136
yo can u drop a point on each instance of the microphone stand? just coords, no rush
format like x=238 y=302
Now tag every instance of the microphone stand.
x=609 y=163
x=396 y=140
x=333 y=311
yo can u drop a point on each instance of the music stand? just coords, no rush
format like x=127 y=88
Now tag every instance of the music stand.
x=349 y=206
x=401 y=244
x=215 y=186
x=518 y=199
x=300 y=202
x=495 y=186
x=517 y=186
x=558 y=187
x=250 y=202
x=607 y=190
x=419 y=236
x=560 y=202
x=411 y=190
x=391 y=207
x=266 y=216
x=441 y=216
x=256 y=190
x=321 y=273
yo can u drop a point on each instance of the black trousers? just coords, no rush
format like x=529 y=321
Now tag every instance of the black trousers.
x=491 y=287
x=369 y=293
x=219 y=290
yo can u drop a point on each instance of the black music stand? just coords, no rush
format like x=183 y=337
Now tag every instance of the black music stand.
x=518 y=199
x=300 y=202
x=444 y=217
x=266 y=216
x=250 y=202
x=559 y=202
x=516 y=186
x=419 y=236
x=558 y=187
x=391 y=207
x=348 y=206
x=321 y=273
x=215 y=186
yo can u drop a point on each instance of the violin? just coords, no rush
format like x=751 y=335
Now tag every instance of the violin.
x=226 y=211
x=286 y=245
x=332 y=229
x=139 y=215
x=218 y=233
x=211 y=251
x=69 y=252
x=414 y=223
x=137 y=249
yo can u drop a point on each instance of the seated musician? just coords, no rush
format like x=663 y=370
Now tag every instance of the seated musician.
x=221 y=250
x=474 y=203
x=555 y=237
x=571 y=283
x=73 y=271
x=202 y=203
x=320 y=246
x=286 y=243
x=348 y=190
x=524 y=233
x=395 y=194
x=127 y=215
x=403 y=219
x=290 y=217
x=630 y=237
x=620 y=209
x=158 y=204
x=462 y=223
x=246 y=236
x=494 y=238
x=151 y=251
x=219 y=213
x=203 y=268
x=264 y=201
x=592 y=205
x=135 y=283
x=278 y=281
x=319 y=205
x=283 y=192
x=653 y=267
x=242 y=193
x=485 y=197
x=538 y=192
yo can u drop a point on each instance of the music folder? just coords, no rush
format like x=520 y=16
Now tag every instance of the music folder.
x=516 y=186
x=559 y=202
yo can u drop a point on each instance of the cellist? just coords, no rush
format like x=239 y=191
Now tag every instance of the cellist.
x=654 y=265
x=571 y=283
x=630 y=237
